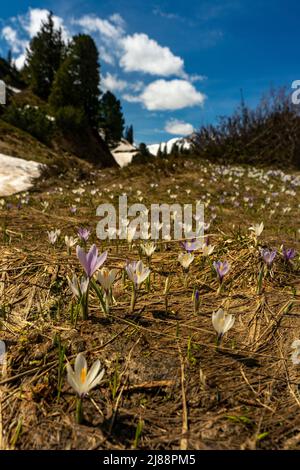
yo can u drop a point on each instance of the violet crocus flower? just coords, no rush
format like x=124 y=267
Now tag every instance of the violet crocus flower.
x=221 y=268
x=288 y=253
x=268 y=256
x=191 y=245
x=84 y=234
x=90 y=261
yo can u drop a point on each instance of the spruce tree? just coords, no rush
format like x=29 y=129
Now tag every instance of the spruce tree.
x=77 y=80
x=159 y=151
x=111 y=117
x=129 y=134
x=44 y=57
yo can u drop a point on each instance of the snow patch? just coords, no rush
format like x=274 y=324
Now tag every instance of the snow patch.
x=16 y=174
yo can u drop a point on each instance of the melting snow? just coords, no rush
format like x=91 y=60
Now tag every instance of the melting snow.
x=16 y=174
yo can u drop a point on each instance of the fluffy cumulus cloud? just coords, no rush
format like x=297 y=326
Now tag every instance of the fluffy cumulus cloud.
x=168 y=95
x=112 y=83
x=142 y=54
x=176 y=127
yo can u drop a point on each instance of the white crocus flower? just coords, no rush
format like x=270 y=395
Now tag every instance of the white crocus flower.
x=295 y=356
x=80 y=379
x=148 y=248
x=185 y=259
x=70 y=241
x=222 y=322
x=257 y=229
x=137 y=272
x=107 y=278
x=77 y=288
x=207 y=249
x=53 y=236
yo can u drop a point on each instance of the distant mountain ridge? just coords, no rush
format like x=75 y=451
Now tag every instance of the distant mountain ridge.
x=183 y=143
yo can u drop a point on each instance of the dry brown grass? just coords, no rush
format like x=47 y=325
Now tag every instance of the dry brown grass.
x=162 y=367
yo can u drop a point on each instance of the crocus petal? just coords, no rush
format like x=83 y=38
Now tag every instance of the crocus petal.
x=93 y=371
x=92 y=257
x=80 y=364
x=71 y=379
x=229 y=322
x=81 y=255
x=97 y=379
x=100 y=260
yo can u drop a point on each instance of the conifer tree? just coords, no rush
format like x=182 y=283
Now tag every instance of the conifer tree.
x=159 y=151
x=129 y=134
x=77 y=80
x=111 y=117
x=44 y=57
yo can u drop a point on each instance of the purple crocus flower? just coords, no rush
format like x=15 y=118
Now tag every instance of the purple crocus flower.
x=84 y=234
x=90 y=261
x=73 y=209
x=191 y=245
x=288 y=254
x=221 y=269
x=268 y=256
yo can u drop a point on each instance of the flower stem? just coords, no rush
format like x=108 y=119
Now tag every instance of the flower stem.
x=85 y=304
x=107 y=302
x=79 y=411
x=133 y=299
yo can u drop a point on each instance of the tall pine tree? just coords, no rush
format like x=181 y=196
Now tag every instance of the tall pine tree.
x=44 y=57
x=78 y=78
x=129 y=134
x=111 y=117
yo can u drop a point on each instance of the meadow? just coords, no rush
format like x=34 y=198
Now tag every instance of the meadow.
x=203 y=357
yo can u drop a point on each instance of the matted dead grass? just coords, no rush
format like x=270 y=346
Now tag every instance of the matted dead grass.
x=164 y=372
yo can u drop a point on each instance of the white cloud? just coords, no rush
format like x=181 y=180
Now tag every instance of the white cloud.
x=131 y=98
x=91 y=23
x=107 y=57
x=112 y=83
x=11 y=37
x=176 y=127
x=117 y=19
x=136 y=86
x=20 y=61
x=170 y=16
x=142 y=54
x=168 y=95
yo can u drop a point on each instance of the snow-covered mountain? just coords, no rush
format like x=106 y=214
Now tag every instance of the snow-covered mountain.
x=184 y=143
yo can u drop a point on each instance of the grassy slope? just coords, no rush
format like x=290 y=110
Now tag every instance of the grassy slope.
x=243 y=395
x=17 y=143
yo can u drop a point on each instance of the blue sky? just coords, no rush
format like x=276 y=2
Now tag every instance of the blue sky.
x=174 y=64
